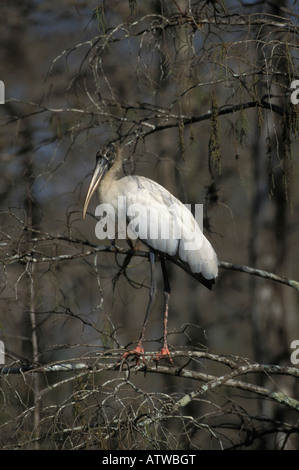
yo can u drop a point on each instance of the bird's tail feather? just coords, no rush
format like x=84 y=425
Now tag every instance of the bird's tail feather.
x=198 y=276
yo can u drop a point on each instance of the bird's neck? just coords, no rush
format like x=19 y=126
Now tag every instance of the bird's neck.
x=111 y=176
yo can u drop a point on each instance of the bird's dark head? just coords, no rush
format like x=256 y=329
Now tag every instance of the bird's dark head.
x=106 y=158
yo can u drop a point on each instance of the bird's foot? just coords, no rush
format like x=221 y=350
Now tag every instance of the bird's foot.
x=138 y=352
x=163 y=353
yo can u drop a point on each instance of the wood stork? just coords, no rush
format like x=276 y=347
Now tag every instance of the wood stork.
x=198 y=259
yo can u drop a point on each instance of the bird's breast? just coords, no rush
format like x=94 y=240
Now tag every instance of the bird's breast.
x=143 y=209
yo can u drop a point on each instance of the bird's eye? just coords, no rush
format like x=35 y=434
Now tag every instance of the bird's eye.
x=107 y=156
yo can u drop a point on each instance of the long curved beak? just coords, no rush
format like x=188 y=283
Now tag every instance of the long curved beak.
x=99 y=172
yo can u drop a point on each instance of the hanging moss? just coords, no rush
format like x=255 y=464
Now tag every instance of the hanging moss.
x=192 y=139
x=291 y=128
x=289 y=63
x=133 y=7
x=241 y=127
x=98 y=14
x=293 y=119
x=287 y=162
x=214 y=142
x=220 y=57
x=181 y=137
x=256 y=97
x=271 y=179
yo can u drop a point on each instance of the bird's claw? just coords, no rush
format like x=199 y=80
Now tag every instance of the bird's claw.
x=138 y=352
x=163 y=353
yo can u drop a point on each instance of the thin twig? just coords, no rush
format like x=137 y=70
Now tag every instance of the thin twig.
x=24 y=258
x=237 y=365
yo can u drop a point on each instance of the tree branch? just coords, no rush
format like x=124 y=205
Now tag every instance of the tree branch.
x=259 y=273
x=25 y=258
x=239 y=366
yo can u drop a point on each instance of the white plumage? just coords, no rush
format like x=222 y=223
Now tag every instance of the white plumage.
x=161 y=220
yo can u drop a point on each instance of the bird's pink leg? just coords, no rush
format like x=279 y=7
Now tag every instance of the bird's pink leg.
x=164 y=351
x=139 y=351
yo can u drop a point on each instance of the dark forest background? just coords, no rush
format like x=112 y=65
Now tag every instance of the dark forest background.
x=198 y=94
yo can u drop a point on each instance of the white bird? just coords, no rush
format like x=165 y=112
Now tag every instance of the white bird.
x=163 y=223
